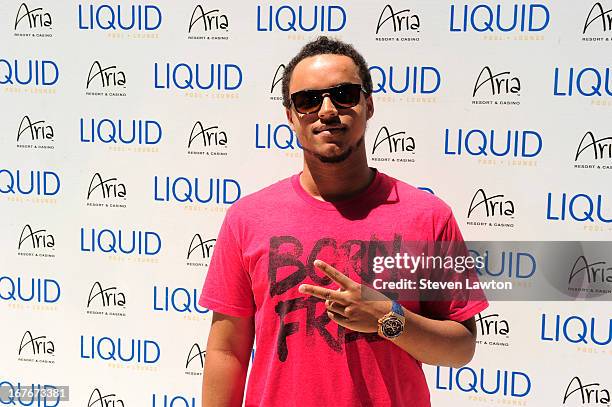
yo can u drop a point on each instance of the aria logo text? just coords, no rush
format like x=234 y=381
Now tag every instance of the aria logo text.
x=105 y=297
x=499 y=18
x=395 y=142
x=104 y=189
x=196 y=354
x=107 y=77
x=499 y=84
x=598 y=17
x=277 y=79
x=586 y=393
x=35 y=239
x=208 y=136
x=117 y=17
x=492 y=324
x=400 y=21
x=206 y=21
x=36 y=345
x=32 y=18
x=493 y=330
x=96 y=399
x=288 y=18
x=491 y=206
x=34 y=131
x=595 y=148
x=598 y=272
x=202 y=248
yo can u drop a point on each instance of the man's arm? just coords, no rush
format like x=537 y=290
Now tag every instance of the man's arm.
x=442 y=343
x=227 y=359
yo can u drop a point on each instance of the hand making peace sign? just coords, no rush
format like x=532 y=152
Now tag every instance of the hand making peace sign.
x=352 y=305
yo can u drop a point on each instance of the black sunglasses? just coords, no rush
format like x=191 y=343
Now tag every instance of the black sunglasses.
x=342 y=96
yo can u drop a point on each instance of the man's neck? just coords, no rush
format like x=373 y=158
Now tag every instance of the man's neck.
x=338 y=181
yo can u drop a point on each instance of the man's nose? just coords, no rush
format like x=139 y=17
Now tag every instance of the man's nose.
x=328 y=109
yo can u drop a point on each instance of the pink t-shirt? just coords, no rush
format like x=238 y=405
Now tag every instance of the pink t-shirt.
x=265 y=250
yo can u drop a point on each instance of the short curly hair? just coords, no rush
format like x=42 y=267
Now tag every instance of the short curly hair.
x=326 y=45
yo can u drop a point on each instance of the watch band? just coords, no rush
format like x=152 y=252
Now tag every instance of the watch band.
x=395 y=307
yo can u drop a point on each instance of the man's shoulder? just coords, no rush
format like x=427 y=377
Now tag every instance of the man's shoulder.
x=263 y=198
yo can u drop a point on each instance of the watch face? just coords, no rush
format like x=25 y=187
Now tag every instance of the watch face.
x=392 y=327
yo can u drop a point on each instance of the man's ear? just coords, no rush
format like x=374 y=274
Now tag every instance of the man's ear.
x=369 y=107
x=289 y=118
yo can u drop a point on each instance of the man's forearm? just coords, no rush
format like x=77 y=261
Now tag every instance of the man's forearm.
x=442 y=343
x=224 y=379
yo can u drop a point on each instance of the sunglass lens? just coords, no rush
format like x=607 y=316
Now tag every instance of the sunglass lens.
x=347 y=95
x=306 y=102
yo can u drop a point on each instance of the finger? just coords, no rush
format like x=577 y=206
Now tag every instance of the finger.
x=337 y=317
x=323 y=293
x=335 y=275
x=335 y=308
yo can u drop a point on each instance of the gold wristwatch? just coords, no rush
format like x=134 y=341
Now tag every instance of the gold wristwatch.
x=391 y=325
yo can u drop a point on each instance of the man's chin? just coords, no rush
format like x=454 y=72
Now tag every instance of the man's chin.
x=335 y=158
x=330 y=155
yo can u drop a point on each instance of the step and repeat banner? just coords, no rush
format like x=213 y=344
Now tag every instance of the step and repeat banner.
x=128 y=129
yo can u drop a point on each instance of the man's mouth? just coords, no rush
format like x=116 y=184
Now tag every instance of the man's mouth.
x=335 y=129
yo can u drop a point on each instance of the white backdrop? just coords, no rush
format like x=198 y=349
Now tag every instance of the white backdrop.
x=128 y=128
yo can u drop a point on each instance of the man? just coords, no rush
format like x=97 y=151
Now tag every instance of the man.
x=289 y=265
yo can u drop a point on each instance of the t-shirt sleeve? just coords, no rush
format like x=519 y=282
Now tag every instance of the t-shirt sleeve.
x=227 y=287
x=457 y=304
